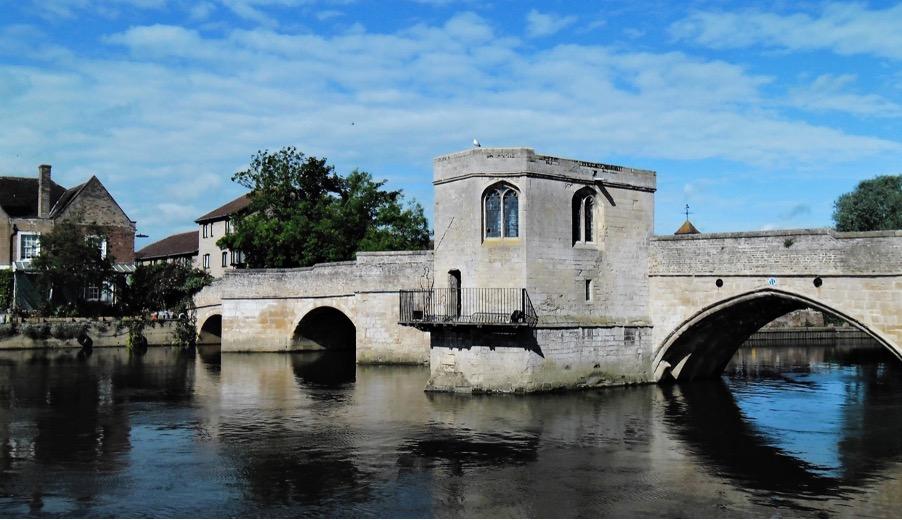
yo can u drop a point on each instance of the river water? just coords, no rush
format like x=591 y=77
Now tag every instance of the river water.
x=788 y=431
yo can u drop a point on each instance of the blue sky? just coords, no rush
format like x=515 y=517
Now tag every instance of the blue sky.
x=758 y=115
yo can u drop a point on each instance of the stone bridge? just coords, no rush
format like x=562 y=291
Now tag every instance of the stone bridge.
x=709 y=292
x=706 y=294
x=337 y=306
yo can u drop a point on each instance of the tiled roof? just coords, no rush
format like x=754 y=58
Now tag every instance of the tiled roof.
x=19 y=196
x=230 y=208
x=174 y=245
x=687 y=229
x=59 y=205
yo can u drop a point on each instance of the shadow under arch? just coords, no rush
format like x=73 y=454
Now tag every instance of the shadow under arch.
x=701 y=346
x=211 y=331
x=325 y=328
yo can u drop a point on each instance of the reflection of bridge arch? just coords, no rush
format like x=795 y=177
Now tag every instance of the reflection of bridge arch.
x=210 y=331
x=701 y=346
x=325 y=328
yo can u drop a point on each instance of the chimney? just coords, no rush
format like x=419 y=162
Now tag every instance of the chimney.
x=44 y=191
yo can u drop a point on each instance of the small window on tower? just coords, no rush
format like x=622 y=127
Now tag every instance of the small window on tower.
x=588 y=290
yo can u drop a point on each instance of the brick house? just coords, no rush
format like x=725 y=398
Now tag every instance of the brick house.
x=213 y=226
x=29 y=207
x=180 y=248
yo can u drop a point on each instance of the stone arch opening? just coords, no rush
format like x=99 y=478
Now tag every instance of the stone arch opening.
x=325 y=328
x=701 y=347
x=211 y=331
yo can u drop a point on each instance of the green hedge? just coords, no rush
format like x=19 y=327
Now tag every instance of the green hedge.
x=6 y=289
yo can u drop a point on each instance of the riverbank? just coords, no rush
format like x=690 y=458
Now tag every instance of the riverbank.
x=42 y=333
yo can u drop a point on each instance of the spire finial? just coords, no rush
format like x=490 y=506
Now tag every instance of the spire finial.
x=687 y=211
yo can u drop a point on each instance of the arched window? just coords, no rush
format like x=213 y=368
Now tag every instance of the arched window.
x=584 y=216
x=501 y=212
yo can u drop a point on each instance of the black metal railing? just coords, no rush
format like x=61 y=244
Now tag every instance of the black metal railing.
x=467 y=306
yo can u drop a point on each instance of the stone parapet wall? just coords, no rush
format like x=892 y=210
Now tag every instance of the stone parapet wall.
x=804 y=252
x=261 y=308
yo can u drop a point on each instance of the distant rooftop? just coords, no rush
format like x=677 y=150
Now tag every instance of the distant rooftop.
x=687 y=229
x=226 y=210
x=175 y=245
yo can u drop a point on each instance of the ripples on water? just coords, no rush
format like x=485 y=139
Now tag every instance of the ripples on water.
x=788 y=431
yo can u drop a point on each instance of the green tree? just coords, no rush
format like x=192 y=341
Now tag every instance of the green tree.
x=875 y=204
x=302 y=212
x=160 y=287
x=72 y=261
x=6 y=289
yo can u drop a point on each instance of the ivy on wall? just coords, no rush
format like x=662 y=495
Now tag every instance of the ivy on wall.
x=6 y=289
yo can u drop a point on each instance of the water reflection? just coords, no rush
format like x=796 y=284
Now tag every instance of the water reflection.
x=312 y=435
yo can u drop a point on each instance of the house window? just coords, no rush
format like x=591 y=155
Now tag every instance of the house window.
x=588 y=290
x=100 y=242
x=225 y=258
x=29 y=245
x=228 y=227
x=207 y=261
x=501 y=212
x=206 y=230
x=584 y=216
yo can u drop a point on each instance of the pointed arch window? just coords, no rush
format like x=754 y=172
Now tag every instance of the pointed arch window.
x=501 y=212
x=584 y=221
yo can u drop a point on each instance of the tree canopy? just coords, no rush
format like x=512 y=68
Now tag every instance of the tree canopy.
x=71 y=261
x=875 y=204
x=302 y=212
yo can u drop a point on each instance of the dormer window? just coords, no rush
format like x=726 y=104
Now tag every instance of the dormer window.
x=584 y=216
x=501 y=212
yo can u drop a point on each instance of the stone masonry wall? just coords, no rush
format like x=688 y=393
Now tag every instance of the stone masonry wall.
x=476 y=361
x=261 y=308
x=860 y=274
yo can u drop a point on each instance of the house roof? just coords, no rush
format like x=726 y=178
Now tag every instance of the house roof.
x=19 y=196
x=56 y=207
x=687 y=229
x=227 y=209
x=174 y=245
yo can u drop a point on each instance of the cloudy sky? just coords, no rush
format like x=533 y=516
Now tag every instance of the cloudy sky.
x=756 y=115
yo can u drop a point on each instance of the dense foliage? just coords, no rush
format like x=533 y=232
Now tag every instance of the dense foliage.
x=6 y=289
x=71 y=261
x=875 y=204
x=162 y=287
x=302 y=212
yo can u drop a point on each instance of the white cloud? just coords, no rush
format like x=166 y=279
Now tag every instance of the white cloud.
x=172 y=107
x=545 y=24
x=843 y=28
x=829 y=92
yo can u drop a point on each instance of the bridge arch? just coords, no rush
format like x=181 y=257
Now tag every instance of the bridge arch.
x=701 y=346
x=210 y=331
x=325 y=328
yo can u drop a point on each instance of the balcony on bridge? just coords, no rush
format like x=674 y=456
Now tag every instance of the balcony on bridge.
x=467 y=307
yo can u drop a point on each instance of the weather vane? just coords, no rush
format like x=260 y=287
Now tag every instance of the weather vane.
x=687 y=211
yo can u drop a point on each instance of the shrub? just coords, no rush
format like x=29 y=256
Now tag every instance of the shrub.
x=6 y=289
x=66 y=331
x=7 y=330
x=36 y=331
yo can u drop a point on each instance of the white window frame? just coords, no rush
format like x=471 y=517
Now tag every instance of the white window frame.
x=206 y=230
x=207 y=261
x=228 y=227
x=20 y=248
x=225 y=258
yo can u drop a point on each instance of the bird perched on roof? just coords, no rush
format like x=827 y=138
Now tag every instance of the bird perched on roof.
x=476 y=143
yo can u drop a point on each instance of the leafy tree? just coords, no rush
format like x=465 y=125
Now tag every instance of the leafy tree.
x=71 y=261
x=302 y=212
x=875 y=204
x=160 y=287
